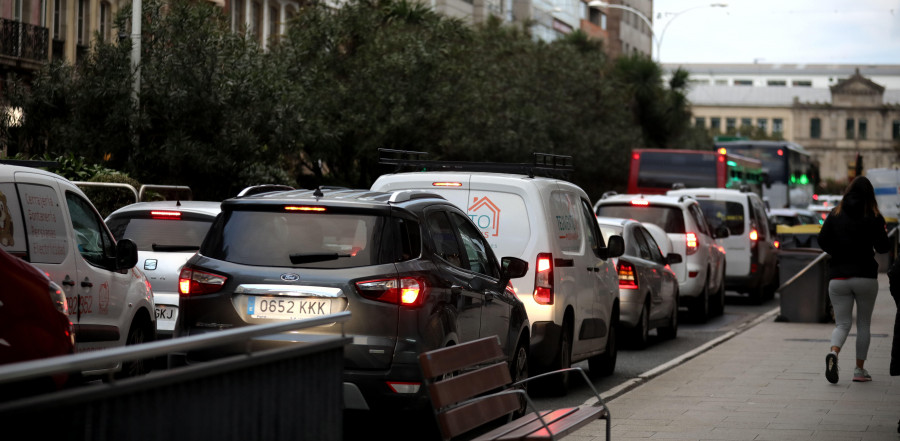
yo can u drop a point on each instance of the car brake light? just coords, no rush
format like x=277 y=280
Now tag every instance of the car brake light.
x=626 y=276
x=303 y=208
x=754 y=235
x=194 y=282
x=543 y=279
x=407 y=291
x=640 y=202
x=777 y=244
x=446 y=184
x=690 y=241
x=165 y=214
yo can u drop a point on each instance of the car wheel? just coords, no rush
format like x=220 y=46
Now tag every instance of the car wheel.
x=720 y=297
x=138 y=333
x=641 y=333
x=605 y=364
x=519 y=371
x=699 y=308
x=559 y=383
x=670 y=331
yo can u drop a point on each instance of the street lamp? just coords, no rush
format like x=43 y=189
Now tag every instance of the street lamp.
x=676 y=14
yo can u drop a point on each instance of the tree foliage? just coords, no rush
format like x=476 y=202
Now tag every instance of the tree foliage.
x=217 y=113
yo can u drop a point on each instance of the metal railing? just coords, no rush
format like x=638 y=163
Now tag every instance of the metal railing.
x=138 y=194
x=110 y=185
x=23 y=40
x=291 y=392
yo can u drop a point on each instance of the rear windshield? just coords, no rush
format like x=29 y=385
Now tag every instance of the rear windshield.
x=669 y=219
x=161 y=234
x=722 y=212
x=302 y=240
x=662 y=169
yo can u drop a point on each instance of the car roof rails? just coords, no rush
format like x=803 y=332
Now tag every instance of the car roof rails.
x=31 y=163
x=543 y=164
x=608 y=194
x=263 y=188
x=678 y=186
x=408 y=195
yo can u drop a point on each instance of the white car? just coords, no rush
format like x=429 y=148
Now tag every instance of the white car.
x=751 y=259
x=167 y=234
x=571 y=289
x=701 y=275
x=48 y=221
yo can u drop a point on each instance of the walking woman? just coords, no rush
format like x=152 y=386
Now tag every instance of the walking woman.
x=851 y=234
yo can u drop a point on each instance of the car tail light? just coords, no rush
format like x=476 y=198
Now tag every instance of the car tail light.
x=543 y=279
x=446 y=184
x=304 y=208
x=194 y=282
x=165 y=214
x=627 y=279
x=690 y=241
x=777 y=244
x=406 y=291
x=754 y=235
x=754 y=268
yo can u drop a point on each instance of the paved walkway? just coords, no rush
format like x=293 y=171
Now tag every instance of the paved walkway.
x=765 y=382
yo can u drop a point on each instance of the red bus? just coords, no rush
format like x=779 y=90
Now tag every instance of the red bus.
x=655 y=171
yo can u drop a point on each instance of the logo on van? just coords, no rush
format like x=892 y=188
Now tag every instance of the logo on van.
x=486 y=215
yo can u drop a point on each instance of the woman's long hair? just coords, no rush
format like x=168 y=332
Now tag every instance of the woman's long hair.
x=863 y=192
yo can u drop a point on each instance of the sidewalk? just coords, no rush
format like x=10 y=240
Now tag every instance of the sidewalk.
x=766 y=383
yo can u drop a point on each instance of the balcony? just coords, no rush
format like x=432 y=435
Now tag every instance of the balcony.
x=23 y=43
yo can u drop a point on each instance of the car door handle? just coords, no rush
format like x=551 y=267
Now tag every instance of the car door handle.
x=68 y=282
x=594 y=269
x=488 y=297
x=86 y=283
x=456 y=289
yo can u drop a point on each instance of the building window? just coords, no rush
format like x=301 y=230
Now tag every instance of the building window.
x=238 y=16
x=730 y=124
x=776 y=83
x=256 y=21
x=747 y=122
x=700 y=122
x=721 y=82
x=851 y=125
x=105 y=21
x=895 y=130
x=761 y=123
x=59 y=20
x=862 y=128
x=815 y=128
x=777 y=125
x=801 y=83
x=603 y=21
x=274 y=31
x=715 y=124
x=743 y=82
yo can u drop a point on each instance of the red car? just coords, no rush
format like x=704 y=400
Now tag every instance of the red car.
x=34 y=323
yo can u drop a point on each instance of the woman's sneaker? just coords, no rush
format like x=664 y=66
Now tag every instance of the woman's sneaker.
x=860 y=374
x=831 y=367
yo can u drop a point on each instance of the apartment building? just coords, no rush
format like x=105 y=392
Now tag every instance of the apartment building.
x=622 y=30
x=835 y=112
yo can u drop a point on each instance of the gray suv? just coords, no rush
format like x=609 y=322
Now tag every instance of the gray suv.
x=413 y=270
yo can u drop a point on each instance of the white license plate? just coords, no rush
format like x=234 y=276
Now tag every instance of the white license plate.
x=166 y=313
x=287 y=308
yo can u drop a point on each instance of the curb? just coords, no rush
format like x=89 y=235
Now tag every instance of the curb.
x=632 y=383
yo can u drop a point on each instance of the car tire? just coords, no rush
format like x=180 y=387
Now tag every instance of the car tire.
x=640 y=335
x=699 y=307
x=670 y=332
x=519 y=372
x=558 y=384
x=605 y=364
x=140 y=332
x=719 y=308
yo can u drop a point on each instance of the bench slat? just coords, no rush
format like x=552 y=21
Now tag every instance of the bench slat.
x=465 y=418
x=454 y=358
x=469 y=385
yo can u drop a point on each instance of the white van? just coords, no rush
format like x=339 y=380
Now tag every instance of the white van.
x=750 y=254
x=48 y=221
x=571 y=290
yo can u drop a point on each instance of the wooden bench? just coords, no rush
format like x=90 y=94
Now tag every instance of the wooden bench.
x=470 y=386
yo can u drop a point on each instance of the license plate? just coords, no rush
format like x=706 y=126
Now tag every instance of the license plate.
x=166 y=313
x=287 y=308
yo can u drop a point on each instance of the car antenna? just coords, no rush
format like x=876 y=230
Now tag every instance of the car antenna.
x=318 y=193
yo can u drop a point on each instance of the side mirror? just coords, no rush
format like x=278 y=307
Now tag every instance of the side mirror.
x=126 y=254
x=615 y=247
x=721 y=231
x=512 y=268
x=673 y=258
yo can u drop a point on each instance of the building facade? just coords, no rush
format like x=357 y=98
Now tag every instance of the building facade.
x=835 y=112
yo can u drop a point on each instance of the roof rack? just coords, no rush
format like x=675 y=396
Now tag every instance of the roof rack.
x=543 y=164
x=263 y=188
x=31 y=163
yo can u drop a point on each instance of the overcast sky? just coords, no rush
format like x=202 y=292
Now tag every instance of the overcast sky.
x=778 y=31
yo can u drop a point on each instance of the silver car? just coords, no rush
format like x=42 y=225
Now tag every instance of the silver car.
x=167 y=234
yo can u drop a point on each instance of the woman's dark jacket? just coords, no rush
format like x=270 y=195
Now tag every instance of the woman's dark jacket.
x=850 y=237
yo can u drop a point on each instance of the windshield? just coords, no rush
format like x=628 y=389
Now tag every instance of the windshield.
x=669 y=219
x=662 y=169
x=161 y=234
x=303 y=240
x=731 y=214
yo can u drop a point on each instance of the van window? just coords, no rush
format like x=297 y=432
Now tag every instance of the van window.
x=12 y=233
x=565 y=221
x=91 y=237
x=44 y=219
x=731 y=214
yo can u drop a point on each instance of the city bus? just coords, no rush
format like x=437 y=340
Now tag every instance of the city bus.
x=788 y=167
x=656 y=171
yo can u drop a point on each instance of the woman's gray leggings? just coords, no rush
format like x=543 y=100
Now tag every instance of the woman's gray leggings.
x=843 y=293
